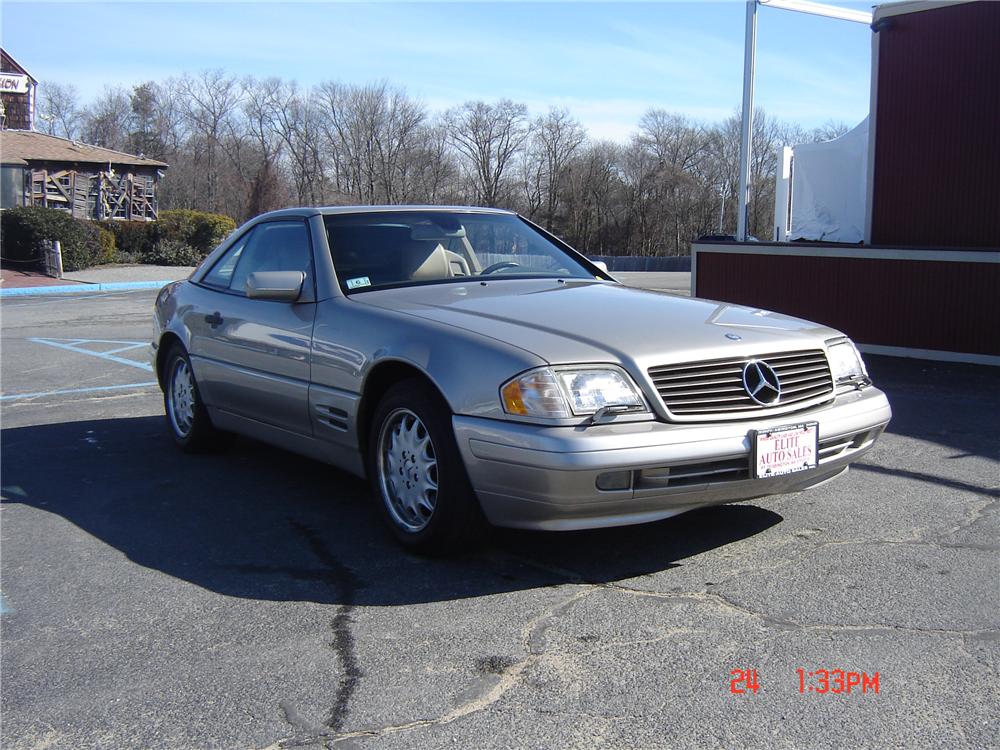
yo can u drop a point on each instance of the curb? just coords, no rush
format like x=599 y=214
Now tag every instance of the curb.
x=116 y=286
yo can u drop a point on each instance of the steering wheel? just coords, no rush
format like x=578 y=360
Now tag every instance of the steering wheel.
x=499 y=267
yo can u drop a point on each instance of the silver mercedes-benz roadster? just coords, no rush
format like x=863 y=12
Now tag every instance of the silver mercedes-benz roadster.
x=479 y=371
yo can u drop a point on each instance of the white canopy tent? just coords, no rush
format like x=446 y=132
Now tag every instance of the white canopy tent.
x=827 y=193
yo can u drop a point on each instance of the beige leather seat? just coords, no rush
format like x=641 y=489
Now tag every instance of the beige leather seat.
x=425 y=260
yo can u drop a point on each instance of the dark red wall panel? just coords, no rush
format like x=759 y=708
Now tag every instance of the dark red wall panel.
x=937 y=147
x=942 y=305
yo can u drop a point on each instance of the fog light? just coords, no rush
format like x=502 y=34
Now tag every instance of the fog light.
x=614 y=480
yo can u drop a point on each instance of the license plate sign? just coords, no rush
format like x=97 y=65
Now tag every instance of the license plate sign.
x=785 y=450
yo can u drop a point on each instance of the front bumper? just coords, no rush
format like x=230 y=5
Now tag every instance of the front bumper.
x=528 y=476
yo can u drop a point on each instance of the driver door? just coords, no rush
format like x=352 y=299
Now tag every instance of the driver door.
x=252 y=357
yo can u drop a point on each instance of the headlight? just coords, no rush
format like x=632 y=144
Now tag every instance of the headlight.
x=535 y=394
x=845 y=362
x=558 y=393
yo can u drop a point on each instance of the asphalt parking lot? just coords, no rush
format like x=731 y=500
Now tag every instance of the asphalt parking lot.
x=251 y=599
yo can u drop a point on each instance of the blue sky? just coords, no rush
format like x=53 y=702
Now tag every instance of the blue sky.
x=606 y=62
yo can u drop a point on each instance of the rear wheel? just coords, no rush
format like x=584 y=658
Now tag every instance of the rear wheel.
x=187 y=418
x=418 y=475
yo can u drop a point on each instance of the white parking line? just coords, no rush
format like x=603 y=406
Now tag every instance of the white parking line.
x=75 y=345
x=41 y=394
x=125 y=348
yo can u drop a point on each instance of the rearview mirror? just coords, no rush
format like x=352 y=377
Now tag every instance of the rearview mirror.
x=282 y=286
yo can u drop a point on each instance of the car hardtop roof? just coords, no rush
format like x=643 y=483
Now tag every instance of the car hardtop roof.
x=337 y=210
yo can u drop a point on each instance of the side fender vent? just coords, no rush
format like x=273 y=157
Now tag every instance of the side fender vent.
x=333 y=417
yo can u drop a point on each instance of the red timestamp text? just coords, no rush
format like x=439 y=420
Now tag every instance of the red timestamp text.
x=819 y=681
x=836 y=681
x=743 y=681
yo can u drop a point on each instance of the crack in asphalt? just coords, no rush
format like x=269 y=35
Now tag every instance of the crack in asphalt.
x=534 y=634
x=975 y=515
x=788 y=624
x=909 y=543
x=346 y=584
x=293 y=718
x=534 y=643
x=532 y=637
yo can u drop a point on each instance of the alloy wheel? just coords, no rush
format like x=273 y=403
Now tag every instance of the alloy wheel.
x=408 y=470
x=181 y=398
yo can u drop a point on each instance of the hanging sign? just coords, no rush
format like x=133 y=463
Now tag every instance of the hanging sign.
x=13 y=83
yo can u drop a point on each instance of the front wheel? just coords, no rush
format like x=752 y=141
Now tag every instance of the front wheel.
x=417 y=473
x=187 y=418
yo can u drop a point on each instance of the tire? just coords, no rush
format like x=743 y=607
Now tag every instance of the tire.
x=187 y=419
x=417 y=474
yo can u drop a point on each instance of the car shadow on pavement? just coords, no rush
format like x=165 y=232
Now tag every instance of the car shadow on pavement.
x=948 y=403
x=257 y=522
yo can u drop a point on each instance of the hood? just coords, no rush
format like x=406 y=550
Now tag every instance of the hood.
x=592 y=321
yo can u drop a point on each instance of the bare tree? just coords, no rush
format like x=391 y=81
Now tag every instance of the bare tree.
x=299 y=122
x=107 y=121
x=59 y=109
x=247 y=146
x=261 y=102
x=557 y=136
x=678 y=147
x=433 y=173
x=593 y=192
x=211 y=99
x=370 y=132
x=488 y=136
x=768 y=134
x=672 y=138
x=396 y=139
x=530 y=176
x=828 y=131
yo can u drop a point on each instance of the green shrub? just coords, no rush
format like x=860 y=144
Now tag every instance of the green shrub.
x=84 y=252
x=200 y=230
x=170 y=252
x=109 y=246
x=27 y=231
x=133 y=239
x=181 y=237
x=143 y=241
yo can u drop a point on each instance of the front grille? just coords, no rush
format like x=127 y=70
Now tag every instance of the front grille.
x=715 y=387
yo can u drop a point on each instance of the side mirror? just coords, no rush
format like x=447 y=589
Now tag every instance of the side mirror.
x=280 y=286
x=601 y=264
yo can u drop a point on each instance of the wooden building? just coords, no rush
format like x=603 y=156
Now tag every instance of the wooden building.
x=87 y=181
x=18 y=94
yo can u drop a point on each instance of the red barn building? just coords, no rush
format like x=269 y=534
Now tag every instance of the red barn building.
x=926 y=281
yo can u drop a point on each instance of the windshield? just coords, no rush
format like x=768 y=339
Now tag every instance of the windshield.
x=380 y=249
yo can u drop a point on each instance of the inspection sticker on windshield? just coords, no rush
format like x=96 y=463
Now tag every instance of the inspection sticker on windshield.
x=785 y=450
x=358 y=282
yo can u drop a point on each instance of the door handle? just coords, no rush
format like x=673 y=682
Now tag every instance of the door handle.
x=214 y=319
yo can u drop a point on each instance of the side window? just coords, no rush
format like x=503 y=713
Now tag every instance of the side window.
x=273 y=246
x=222 y=272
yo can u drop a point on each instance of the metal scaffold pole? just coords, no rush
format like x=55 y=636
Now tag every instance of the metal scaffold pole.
x=749 y=58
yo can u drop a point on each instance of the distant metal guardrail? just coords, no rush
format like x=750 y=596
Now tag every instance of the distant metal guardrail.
x=645 y=263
